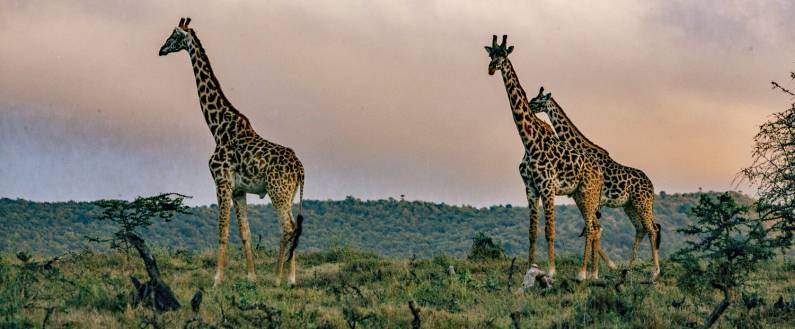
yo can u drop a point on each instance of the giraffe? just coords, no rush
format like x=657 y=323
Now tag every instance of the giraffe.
x=242 y=162
x=624 y=186
x=549 y=168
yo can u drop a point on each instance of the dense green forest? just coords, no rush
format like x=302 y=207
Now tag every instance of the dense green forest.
x=388 y=227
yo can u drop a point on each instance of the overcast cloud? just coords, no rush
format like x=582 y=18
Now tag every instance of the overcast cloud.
x=381 y=98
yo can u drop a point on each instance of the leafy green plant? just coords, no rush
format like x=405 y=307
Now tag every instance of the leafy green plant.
x=773 y=173
x=484 y=247
x=130 y=217
x=729 y=245
x=31 y=285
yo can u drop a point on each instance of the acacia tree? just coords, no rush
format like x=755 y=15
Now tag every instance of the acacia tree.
x=729 y=245
x=773 y=172
x=131 y=216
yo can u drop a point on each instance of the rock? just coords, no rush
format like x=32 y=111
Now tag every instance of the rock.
x=535 y=274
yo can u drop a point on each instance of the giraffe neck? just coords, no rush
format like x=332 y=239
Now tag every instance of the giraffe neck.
x=528 y=125
x=224 y=121
x=568 y=132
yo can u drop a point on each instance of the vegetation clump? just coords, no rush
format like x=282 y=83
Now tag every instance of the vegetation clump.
x=130 y=217
x=484 y=247
x=773 y=173
x=729 y=246
x=378 y=226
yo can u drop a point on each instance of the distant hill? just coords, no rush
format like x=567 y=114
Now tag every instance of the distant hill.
x=389 y=227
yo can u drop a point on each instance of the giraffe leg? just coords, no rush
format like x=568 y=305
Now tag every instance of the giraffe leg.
x=297 y=230
x=241 y=215
x=549 y=228
x=284 y=249
x=284 y=211
x=291 y=275
x=601 y=251
x=224 y=193
x=588 y=212
x=290 y=252
x=640 y=231
x=597 y=247
x=647 y=216
x=610 y=264
x=532 y=235
x=639 y=234
x=582 y=275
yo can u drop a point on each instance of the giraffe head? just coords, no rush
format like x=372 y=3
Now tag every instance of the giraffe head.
x=542 y=103
x=498 y=54
x=178 y=39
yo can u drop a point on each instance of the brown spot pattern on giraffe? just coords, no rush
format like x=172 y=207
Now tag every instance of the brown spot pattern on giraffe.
x=624 y=186
x=550 y=167
x=243 y=162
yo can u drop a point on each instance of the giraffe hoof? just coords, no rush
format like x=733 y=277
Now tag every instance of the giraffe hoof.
x=217 y=280
x=546 y=281
x=582 y=276
x=655 y=274
x=251 y=277
x=611 y=265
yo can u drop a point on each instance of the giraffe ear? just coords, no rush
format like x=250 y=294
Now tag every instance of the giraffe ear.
x=510 y=49
x=488 y=50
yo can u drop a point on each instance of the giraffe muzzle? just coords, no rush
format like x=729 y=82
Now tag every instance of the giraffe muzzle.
x=163 y=51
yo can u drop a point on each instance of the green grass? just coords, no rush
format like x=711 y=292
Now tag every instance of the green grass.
x=340 y=285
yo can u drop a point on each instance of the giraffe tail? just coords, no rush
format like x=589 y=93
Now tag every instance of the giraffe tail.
x=659 y=235
x=299 y=220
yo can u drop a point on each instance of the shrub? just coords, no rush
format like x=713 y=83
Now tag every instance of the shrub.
x=773 y=173
x=133 y=216
x=484 y=247
x=729 y=246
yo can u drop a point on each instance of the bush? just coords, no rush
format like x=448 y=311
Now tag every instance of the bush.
x=131 y=217
x=483 y=248
x=729 y=247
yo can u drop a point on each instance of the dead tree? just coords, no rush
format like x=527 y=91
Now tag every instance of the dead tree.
x=510 y=273
x=154 y=293
x=416 y=323
x=515 y=320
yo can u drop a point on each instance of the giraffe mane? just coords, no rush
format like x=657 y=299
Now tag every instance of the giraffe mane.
x=576 y=130
x=213 y=78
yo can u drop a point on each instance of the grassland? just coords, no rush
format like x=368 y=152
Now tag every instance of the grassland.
x=343 y=288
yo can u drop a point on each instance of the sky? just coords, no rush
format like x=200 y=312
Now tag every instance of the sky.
x=381 y=98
